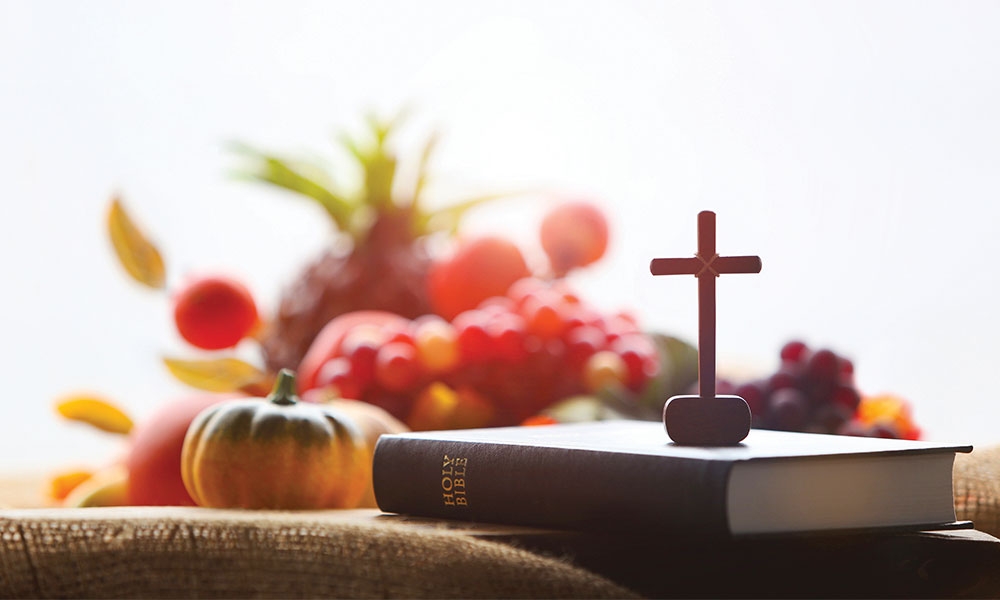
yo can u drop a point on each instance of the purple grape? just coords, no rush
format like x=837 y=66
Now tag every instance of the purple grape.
x=846 y=396
x=823 y=366
x=789 y=410
x=755 y=393
x=830 y=418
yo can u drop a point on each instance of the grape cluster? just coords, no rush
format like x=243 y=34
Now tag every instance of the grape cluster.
x=811 y=391
x=497 y=364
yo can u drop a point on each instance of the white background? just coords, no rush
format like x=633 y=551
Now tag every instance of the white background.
x=852 y=145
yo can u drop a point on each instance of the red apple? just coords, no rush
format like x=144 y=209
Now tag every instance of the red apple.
x=154 y=458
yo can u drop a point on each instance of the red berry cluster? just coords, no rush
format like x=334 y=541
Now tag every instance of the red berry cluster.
x=811 y=391
x=507 y=359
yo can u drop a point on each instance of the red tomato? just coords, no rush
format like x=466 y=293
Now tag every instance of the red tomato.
x=214 y=312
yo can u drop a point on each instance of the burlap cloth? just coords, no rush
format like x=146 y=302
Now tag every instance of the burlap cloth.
x=134 y=552
x=976 y=483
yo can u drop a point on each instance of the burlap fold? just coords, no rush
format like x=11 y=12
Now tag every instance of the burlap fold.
x=135 y=552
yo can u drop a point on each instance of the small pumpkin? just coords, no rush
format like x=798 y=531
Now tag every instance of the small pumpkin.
x=275 y=453
x=375 y=422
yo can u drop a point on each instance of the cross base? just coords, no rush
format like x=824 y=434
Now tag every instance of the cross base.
x=697 y=421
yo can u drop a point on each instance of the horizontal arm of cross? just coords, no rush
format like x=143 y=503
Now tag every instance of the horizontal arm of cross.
x=675 y=266
x=737 y=264
x=694 y=265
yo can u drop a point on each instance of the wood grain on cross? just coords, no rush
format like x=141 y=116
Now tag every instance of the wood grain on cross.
x=706 y=265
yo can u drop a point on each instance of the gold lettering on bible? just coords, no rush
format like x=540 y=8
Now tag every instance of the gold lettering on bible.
x=453 y=481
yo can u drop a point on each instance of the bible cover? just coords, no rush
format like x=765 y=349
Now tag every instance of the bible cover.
x=628 y=476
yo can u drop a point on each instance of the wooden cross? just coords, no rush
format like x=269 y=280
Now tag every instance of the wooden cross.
x=706 y=419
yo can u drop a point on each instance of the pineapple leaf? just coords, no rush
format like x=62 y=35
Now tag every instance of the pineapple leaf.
x=348 y=142
x=380 y=172
x=280 y=172
x=378 y=165
x=381 y=129
x=384 y=128
x=447 y=218
x=422 y=170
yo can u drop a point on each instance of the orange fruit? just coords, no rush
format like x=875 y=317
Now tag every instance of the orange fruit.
x=574 y=234
x=480 y=268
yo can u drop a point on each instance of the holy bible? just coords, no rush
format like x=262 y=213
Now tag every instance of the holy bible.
x=626 y=476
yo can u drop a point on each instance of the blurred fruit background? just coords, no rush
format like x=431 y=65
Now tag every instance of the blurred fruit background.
x=850 y=145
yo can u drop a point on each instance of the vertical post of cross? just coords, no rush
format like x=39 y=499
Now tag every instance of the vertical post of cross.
x=706 y=304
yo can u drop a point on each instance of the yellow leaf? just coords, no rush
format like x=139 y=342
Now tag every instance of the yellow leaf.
x=217 y=375
x=135 y=252
x=61 y=484
x=95 y=411
x=107 y=487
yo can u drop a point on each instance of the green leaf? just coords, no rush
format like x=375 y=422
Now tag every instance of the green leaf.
x=378 y=165
x=280 y=172
x=422 y=168
x=447 y=218
x=380 y=172
x=582 y=409
x=382 y=129
x=352 y=147
x=678 y=371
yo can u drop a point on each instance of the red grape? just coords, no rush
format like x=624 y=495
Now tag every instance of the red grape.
x=507 y=332
x=474 y=344
x=396 y=367
x=582 y=342
x=795 y=352
x=846 y=370
x=338 y=373
x=361 y=349
x=640 y=357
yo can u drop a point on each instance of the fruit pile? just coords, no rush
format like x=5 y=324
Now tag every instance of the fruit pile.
x=392 y=333
x=815 y=391
x=460 y=332
x=497 y=364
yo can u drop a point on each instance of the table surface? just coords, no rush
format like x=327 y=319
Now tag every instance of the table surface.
x=963 y=563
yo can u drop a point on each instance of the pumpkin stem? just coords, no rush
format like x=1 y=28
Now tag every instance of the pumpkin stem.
x=284 y=388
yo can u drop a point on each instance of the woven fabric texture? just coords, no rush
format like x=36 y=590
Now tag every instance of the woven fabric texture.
x=188 y=553
x=164 y=552
x=976 y=483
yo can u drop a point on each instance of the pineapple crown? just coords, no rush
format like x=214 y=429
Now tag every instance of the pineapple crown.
x=354 y=213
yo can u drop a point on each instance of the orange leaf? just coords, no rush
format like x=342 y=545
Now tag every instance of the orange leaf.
x=95 y=411
x=217 y=375
x=61 y=484
x=136 y=253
